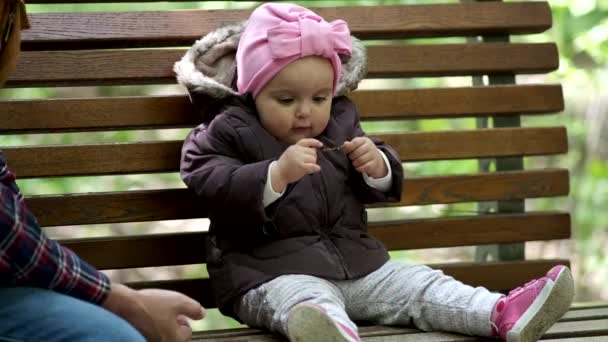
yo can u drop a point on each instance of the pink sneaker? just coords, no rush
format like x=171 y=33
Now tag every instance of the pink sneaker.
x=529 y=311
x=310 y=322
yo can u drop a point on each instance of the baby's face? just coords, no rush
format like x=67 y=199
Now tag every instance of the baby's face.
x=296 y=103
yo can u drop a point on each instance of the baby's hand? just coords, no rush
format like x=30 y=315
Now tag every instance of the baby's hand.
x=366 y=157
x=296 y=162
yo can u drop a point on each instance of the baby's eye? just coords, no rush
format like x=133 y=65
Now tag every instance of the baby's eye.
x=319 y=99
x=285 y=100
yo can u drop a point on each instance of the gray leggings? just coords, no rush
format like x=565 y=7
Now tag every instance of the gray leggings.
x=395 y=294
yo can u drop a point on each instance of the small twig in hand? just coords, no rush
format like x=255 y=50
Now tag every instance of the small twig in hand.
x=333 y=148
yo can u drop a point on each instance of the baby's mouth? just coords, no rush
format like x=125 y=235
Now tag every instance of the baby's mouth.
x=301 y=129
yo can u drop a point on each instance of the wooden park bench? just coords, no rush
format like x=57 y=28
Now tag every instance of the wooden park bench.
x=138 y=48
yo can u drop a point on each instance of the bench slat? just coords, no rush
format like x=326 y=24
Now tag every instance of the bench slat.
x=121 y=158
x=485 y=187
x=589 y=305
x=420 y=146
x=404 y=334
x=586 y=314
x=62 y=115
x=588 y=338
x=367 y=333
x=388 y=334
x=113 y=158
x=55 y=31
x=66 y=115
x=458 y=102
x=154 y=66
x=594 y=327
x=169 y=204
x=189 y=248
x=472 y=230
x=371 y=333
x=512 y=274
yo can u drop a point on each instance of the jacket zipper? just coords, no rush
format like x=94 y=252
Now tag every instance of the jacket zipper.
x=325 y=234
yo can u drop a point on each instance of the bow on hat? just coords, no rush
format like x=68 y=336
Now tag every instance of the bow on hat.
x=309 y=37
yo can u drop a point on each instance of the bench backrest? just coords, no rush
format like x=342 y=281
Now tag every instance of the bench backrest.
x=139 y=48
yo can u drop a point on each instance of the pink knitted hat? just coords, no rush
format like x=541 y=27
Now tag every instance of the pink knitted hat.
x=280 y=33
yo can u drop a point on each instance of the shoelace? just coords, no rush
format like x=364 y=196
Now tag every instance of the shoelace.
x=520 y=288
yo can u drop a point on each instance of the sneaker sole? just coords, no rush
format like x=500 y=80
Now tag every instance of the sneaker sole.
x=306 y=323
x=551 y=304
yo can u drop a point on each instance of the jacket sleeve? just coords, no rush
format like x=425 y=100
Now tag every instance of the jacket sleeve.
x=215 y=166
x=29 y=258
x=364 y=192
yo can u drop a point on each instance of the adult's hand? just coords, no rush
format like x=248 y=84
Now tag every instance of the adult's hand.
x=160 y=315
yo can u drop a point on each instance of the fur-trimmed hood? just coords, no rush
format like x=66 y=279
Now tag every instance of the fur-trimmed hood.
x=209 y=67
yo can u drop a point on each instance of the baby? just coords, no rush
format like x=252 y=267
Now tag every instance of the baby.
x=284 y=168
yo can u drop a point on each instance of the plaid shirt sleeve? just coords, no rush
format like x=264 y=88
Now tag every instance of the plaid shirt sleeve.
x=29 y=258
